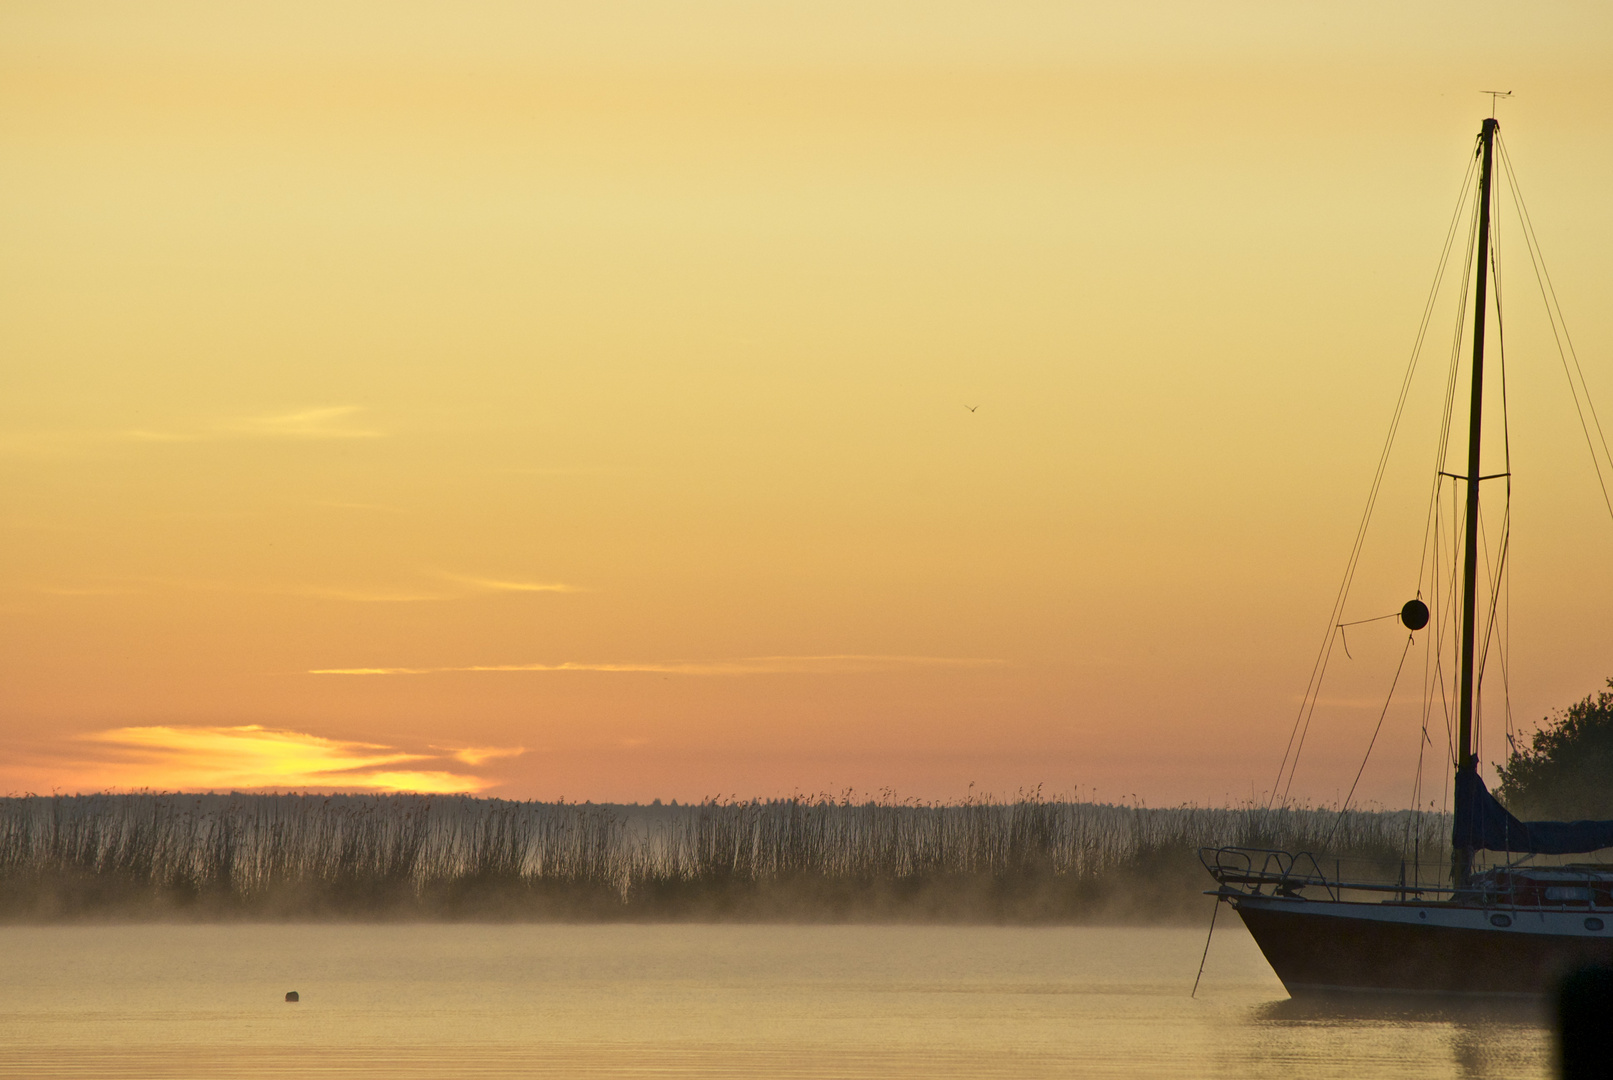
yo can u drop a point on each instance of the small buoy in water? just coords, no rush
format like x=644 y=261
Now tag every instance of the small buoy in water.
x=1414 y=614
x=291 y=995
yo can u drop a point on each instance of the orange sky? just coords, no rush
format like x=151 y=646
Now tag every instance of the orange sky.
x=574 y=402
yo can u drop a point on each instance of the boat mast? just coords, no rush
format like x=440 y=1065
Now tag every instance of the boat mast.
x=1462 y=857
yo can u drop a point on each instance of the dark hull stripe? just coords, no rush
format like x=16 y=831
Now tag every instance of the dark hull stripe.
x=1326 y=952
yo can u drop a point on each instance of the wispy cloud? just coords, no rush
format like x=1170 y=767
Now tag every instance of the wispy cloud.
x=355 y=595
x=374 y=508
x=321 y=423
x=330 y=422
x=255 y=757
x=447 y=587
x=480 y=755
x=569 y=470
x=325 y=422
x=481 y=584
x=836 y=664
x=82 y=590
x=144 y=435
x=362 y=594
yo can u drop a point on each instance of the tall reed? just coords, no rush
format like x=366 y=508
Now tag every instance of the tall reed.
x=1030 y=859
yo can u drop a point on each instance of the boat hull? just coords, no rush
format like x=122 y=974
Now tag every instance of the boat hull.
x=1338 y=946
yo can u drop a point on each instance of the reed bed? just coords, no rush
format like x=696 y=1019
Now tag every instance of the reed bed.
x=403 y=856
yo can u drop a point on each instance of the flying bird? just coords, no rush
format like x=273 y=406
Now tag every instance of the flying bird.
x=971 y=408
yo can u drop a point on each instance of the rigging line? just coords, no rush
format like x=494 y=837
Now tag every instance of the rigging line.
x=1375 y=618
x=1496 y=582
x=1459 y=334
x=1495 y=600
x=1548 y=294
x=1489 y=631
x=1494 y=574
x=1344 y=807
x=1458 y=338
x=1453 y=369
x=1431 y=665
x=1428 y=314
x=1504 y=647
x=1422 y=745
x=1501 y=342
x=1443 y=837
x=1457 y=519
x=1506 y=400
x=1345 y=641
x=1313 y=688
x=1458 y=514
x=1434 y=664
x=1445 y=613
x=1307 y=708
x=1305 y=731
x=1430 y=672
x=1531 y=238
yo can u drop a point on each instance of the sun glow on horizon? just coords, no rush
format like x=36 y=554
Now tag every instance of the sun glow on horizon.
x=253 y=757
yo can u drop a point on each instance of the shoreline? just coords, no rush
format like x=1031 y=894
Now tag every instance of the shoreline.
x=397 y=858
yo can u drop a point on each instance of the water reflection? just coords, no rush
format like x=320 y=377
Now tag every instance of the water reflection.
x=1486 y=1038
x=469 y=1002
x=1404 y=1009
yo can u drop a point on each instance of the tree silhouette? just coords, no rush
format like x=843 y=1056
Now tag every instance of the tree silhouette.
x=1567 y=772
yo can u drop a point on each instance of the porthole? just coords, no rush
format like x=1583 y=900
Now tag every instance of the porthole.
x=1593 y=924
x=1422 y=914
x=1500 y=920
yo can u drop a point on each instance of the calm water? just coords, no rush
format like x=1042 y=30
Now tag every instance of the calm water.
x=701 y=1001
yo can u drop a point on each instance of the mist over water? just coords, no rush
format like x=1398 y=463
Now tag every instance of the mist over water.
x=554 y=1000
x=412 y=857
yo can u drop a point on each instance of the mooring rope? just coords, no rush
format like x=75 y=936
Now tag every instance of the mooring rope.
x=1213 y=913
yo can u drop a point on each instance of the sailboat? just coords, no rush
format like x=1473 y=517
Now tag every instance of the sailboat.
x=1510 y=929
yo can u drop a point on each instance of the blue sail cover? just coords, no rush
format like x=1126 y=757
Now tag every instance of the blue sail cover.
x=1482 y=823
